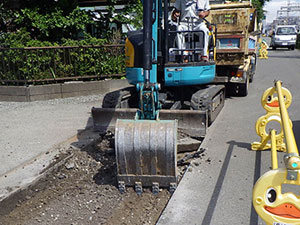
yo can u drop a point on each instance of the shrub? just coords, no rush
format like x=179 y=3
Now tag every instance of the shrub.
x=73 y=58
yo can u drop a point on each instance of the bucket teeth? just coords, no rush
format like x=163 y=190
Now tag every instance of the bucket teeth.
x=138 y=188
x=155 y=188
x=172 y=188
x=122 y=187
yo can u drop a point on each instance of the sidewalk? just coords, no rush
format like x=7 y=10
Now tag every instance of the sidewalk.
x=34 y=133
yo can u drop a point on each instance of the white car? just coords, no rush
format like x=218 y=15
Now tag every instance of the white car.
x=284 y=36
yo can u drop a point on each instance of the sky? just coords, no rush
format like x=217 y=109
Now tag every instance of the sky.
x=273 y=5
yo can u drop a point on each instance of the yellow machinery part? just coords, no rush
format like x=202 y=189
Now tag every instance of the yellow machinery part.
x=129 y=54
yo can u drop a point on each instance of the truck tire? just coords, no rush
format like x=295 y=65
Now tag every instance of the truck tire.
x=252 y=71
x=243 y=88
x=292 y=47
x=274 y=48
x=251 y=78
x=230 y=89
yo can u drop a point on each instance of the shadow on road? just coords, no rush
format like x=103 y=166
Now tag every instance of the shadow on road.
x=101 y=149
x=213 y=201
x=241 y=144
x=296 y=129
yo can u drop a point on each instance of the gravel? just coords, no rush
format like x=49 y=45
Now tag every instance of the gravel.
x=83 y=191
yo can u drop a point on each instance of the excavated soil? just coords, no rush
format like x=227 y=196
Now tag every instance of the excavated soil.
x=83 y=191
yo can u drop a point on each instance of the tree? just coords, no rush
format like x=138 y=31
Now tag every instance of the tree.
x=52 y=20
x=131 y=14
x=52 y=25
x=6 y=18
x=259 y=4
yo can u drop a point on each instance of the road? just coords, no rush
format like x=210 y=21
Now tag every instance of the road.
x=220 y=192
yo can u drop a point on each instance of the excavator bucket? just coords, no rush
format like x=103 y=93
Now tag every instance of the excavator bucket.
x=146 y=154
x=146 y=149
x=190 y=122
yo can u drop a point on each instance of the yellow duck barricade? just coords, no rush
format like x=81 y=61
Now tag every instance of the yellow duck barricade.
x=270 y=203
x=270 y=103
x=263 y=49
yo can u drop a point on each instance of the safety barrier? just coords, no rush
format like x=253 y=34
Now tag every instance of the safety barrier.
x=263 y=49
x=271 y=203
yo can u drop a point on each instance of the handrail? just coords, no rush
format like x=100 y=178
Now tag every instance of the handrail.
x=287 y=128
x=274 y=150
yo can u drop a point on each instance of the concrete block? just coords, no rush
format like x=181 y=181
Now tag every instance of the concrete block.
x=14 y=98
x=95 y=87
x=75 y=87
x=45 y=89
x=52 y=91
x=13 y=90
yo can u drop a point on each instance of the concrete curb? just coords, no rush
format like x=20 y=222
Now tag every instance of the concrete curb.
x=17 y=183
x=64 y=90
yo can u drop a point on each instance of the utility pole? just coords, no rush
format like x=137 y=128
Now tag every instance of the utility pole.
x=288 y=11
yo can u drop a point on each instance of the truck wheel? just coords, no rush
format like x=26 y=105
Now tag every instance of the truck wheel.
x=243 y=88
x=252 y=70
x=230 y=89
x=251 y=78
x=292 y=47
x=274 y=48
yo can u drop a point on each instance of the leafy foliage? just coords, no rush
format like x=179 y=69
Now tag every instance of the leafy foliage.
x=43 y=23
x=259 y=4
x=54 y=25
x=49 y=63
x=6 y=17
x=131 y=14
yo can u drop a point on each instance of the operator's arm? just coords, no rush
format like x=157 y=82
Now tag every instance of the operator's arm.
x=203 y=8
x=203 y=14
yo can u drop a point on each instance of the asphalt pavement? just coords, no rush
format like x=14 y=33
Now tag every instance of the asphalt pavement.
x=218 y=191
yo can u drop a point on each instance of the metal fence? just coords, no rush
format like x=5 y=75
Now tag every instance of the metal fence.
x=34 y=65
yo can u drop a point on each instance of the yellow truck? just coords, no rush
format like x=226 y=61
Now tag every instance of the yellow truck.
x=236 y=44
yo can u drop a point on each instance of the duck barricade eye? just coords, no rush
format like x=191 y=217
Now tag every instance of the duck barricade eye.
x=271 y=195
x=269 y=98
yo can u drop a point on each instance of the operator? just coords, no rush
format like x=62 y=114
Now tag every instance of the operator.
x=194 y=10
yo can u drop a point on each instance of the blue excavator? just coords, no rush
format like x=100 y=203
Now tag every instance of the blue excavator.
x=169 y=98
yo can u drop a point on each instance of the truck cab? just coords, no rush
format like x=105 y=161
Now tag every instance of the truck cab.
x=284 y=36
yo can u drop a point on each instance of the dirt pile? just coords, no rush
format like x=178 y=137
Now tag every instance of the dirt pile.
x=83 y=191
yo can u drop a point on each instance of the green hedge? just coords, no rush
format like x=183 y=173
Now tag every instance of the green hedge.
x=52 y=61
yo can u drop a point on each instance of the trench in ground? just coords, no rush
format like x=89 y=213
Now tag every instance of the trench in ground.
x=84 y=190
